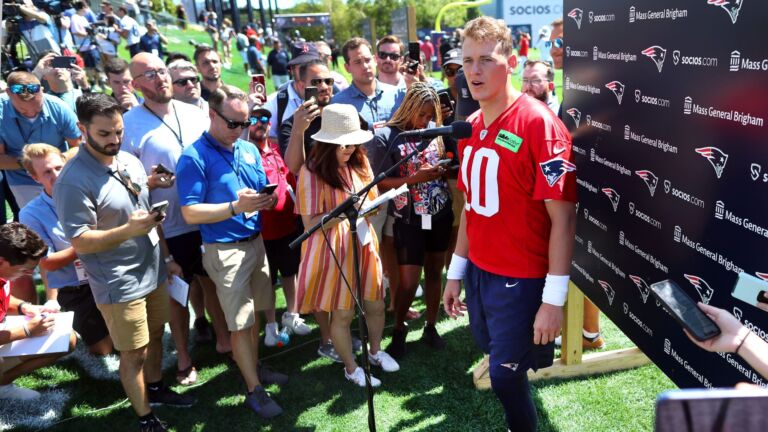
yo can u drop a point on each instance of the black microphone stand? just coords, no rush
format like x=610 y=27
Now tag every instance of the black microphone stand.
x=349 y=208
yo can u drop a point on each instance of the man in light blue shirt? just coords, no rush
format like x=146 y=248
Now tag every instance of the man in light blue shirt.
x=29 y=116
x=375 y=101
x=67 y=282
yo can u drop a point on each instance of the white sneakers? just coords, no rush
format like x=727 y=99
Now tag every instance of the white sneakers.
x=358 y=377
x=384 y=360
x=12 y=391
x=271 y=334
x=294 y=322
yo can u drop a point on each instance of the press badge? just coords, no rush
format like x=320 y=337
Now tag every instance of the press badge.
x=426 y=221
x=154 y=237
x=82 y=276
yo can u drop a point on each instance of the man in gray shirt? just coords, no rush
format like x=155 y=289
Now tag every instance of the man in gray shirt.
x=102 y=200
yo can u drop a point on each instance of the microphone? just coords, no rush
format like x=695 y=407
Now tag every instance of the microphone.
x=458 y=130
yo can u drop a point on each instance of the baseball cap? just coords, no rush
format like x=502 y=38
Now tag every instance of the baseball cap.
x=302 y=52
x=452 y=57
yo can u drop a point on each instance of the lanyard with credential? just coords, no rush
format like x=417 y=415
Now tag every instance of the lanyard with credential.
x=21 y=132
x=236 y=159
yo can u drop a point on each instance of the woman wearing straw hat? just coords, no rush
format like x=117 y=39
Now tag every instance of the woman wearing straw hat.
x=336 y=168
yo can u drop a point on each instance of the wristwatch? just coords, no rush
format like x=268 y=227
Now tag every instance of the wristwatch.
x=168 y=259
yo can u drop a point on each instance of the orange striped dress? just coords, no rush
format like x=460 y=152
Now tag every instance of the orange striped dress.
x=319 y=276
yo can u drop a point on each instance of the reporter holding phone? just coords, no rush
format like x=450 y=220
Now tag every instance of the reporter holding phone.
x=423 y=218
x=736 y=338
x=218 y=179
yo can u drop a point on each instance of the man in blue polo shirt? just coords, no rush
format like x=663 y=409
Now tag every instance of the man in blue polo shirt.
x=29 y=116
x=217 y=179
x=374 y=100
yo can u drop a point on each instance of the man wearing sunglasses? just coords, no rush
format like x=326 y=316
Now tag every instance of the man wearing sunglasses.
x=157 y=132
x=28 y=116
x=186 y=84
x=389 y=57
x=103 y=203
x=219 y=177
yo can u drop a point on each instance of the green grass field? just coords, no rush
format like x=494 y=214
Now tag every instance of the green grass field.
x=433 y=391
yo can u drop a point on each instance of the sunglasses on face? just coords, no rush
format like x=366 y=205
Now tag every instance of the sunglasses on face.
x=181 y=82
x=18 y=89
x=557 y=42
x=451 y=72
x=154 y=73
x=233 y=124
x=259 y=119
x=317 y=81
x=392 y=56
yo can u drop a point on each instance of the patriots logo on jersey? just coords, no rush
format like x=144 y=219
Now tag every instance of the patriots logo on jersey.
x=703 y=288
x=645 y=291
x=609 y=292
x=657 y=54
x=731 y=6
x=554 y=169
x=617 y=88
x=576 y=14
x=716 y=157
x=650 y=179
x=613 y=196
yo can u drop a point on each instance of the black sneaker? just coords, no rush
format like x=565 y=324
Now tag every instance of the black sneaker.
x=268 y=376
x=165 y=396
x=263 y=405
x=397 y=348
x=432 y=338
x=153 y=425
x=203 y=330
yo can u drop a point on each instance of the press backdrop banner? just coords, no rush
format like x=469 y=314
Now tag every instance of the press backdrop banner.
x=667 y=101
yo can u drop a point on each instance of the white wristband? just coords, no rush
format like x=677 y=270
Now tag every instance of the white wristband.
x=457 y=268
x=555 y=289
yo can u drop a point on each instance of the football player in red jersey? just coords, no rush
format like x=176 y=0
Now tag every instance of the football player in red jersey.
x=518 y=226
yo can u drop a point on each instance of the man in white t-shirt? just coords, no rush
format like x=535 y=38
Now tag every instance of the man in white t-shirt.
x=157 y=132
x=129 y=30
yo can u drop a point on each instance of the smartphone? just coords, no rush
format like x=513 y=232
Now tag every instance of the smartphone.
x=161 y=169
x=268 y=189
x=258 y=85
x=685 y=311
x=750 y=289
x=414 y=51
x=64 y=62
x=445 y=98
x=309 y=93
x=444 y=162
x=159 y=208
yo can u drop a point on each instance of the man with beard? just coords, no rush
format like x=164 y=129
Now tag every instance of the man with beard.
x=157 y=132
x=219 y=179
x=186 y=84
x=102 y=199
x=209 y=64
x=389 y=58
x=539 y=81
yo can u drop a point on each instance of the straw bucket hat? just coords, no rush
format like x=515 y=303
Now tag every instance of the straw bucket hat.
x=340 y=124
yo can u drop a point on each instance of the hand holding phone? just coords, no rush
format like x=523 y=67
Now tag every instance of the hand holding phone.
x=64 y=62
x=159 y=209
x=751 y=290
x=268 y=189
x=309 y=93
x=444 y=162
x=258 y=86
x=684 y=310
x=161 y=169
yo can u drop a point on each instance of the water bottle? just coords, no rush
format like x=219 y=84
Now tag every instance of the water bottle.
x=284 y=337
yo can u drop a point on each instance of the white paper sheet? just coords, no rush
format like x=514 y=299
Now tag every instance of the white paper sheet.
x=179 y=290
x=56 y=341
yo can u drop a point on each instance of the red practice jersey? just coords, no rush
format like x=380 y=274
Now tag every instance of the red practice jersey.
x=507 y=171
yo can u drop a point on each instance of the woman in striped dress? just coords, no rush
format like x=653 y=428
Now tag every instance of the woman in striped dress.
x=338 y=167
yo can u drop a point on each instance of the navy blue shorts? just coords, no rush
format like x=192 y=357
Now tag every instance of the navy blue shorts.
x=501 y=315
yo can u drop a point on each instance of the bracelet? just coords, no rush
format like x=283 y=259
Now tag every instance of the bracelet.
x=21 y=306
x=555 y=289
x=742 y=342
x=458 y=267
x=232 y=209
x=26 y=330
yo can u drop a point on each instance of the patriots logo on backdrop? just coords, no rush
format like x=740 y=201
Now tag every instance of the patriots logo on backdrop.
x=576 y=14
x=763 y=276
x=650 y=179
x=657 y=54
x=731 y=6
x=716 y=157
x=609 y=292
x=645 y=291
x=705 y=291
x=613 y=196
x=575 y=115
x=554 y=169
x=617 y=88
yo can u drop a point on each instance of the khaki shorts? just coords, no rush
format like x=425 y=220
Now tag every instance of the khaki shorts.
x=241 y=274
x=134 y=323
x=8 y=363
x=382 y=223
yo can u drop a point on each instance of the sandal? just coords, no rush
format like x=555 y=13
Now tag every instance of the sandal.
x=412 y=314
x=187 y=376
